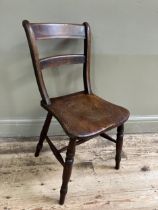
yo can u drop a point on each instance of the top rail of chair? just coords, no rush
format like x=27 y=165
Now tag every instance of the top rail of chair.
x=58 y=30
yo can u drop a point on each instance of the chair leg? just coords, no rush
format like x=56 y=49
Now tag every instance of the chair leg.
x=119 y=144
x=67 y=169
x=43 y=134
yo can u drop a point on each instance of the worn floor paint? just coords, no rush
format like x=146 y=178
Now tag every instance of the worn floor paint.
x=29 y=183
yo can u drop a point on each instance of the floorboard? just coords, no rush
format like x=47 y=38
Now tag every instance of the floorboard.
x=29 y=183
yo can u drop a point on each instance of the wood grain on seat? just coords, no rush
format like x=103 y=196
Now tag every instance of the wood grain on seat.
x=82 y=115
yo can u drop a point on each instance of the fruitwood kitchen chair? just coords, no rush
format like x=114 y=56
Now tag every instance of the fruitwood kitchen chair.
x=83 y=115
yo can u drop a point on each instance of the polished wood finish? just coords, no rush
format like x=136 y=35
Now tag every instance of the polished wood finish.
x=50 y=31
x=83 y=115
x=55 y=61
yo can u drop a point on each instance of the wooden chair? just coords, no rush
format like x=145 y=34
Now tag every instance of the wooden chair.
x=83 y=115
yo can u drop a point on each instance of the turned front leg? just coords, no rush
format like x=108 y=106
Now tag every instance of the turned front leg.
x=67 y=169
x=119 y=144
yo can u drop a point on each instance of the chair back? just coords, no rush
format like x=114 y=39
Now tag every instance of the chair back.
x=44 y=31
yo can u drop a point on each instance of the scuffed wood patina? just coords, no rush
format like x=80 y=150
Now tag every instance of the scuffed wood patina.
x=82 y=115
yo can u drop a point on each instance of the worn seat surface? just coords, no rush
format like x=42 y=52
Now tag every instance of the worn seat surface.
x=83 y=115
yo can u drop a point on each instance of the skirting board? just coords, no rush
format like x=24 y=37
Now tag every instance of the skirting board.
x=32 y=127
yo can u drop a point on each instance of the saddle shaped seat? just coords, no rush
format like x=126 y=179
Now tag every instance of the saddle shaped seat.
x=84 y=115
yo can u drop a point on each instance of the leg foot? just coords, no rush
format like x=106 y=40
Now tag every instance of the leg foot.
x=67 y=170
x=43 y=134
x=119 y=144
x=39 y=148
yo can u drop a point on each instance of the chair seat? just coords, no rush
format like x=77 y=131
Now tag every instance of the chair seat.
x=82 y=115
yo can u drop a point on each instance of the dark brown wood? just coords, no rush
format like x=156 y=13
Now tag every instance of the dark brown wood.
x=87 y=52
x=67 y=169
x=35 y=60
x=119 y=144
x=55 y=151
x=104 y=135
x=43 y=134
x=55 y=61
x=58 y=30
x=82 y=115
x=80 y=141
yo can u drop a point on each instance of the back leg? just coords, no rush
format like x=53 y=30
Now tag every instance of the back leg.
x=43 y=134
x=119 y=144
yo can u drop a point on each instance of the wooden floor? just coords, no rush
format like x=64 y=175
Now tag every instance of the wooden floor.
x=28 y=183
